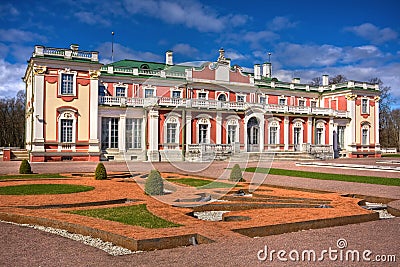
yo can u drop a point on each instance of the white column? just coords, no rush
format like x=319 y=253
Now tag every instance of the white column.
x=331 y=129
x=188 y=127
x=376 y=125
x=309 y=130
x=153 y=135
x=94 y=122
x=218 y=128
x=262 y=132
x=286 y=132
x=351 y=130
x=122 y=132
x=38 y=119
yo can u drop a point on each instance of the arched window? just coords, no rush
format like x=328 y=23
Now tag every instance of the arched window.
x=320 y=133
x=171 y=130
x=203 y=131
x=297 y=131
x=67 y=126
x=232 y=132
x=365 y=128
x=273 y=130
x=222 y=97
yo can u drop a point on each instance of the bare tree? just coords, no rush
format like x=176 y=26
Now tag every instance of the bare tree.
x=317 y=81
x=12 y=119
x=338 y=79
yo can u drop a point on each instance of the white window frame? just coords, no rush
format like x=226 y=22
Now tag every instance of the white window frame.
x=218 y=94
x=366 y=101
x=282 y=98
x=298 y=123
x=203 y=121
x=176 y=89
x=149 y=87
x=321 y=126
x=232 y=123
x=135 y=134
x=265 y=98
x=109 y=142
x=341 y=136
x=313 y=102
x=367 y=141
x=301 y=100
x=274 y=124
x=172 y=119
x=120 y=85
x=67 y=115
x=202 y=91
x=240 y=95
x=60 y=84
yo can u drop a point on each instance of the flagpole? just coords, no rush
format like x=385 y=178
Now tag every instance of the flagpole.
x=112 y=47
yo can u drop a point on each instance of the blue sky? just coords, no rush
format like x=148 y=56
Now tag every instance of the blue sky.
x=359 y=39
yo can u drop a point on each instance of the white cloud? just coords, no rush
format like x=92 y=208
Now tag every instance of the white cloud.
x=10 y=78
x=18 y=36
x=186 y=49
x=234 y=55
x=189 y=13
x=9 y=9
x=372 y=33
x=92 y=19
x=123 y=52
x=279 y=23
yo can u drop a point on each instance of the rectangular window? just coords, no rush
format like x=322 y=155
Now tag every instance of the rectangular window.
x=176 y=94
x=133 y=133
x=171 y=133
x=67 y=84
x=365 y=138
x=202 y=96
x=240 y=98
x=273 y=135
x=318 y=140
x=109 y=133
x=231 y=134
x=341 y=136
x=302 y=103
x=263 y=100
x=282 y=101
x=102 y=90
x=148 y=93
x=66 y=131
x=203 y=129
x=364 y=106
x=120 y=91
x=313 y=104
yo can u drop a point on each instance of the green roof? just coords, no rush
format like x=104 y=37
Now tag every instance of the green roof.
x=128 y=63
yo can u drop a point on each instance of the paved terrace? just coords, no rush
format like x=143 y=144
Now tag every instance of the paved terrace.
x=23 y=246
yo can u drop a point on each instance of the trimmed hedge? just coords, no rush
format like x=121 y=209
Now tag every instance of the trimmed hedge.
x=25 y=167
x=101 y=172
x=154 y=184
x=236 y=174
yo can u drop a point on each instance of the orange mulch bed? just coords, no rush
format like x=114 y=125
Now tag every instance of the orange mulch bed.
x=120 y=188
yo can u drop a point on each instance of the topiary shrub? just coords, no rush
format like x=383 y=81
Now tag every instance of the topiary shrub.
x=236 y=174
x=25 y=167
x=154 y=184
x=101 y=172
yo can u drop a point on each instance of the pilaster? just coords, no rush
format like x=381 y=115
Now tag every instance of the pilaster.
x=286 y=133
x=153 y=153
x=218 y=128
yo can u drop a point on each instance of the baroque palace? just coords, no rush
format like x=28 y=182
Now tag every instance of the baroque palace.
x=80 y=109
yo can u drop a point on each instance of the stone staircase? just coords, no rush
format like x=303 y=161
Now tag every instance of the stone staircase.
x=266 y=156
x=19 y=155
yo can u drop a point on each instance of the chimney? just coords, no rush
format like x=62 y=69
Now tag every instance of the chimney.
x=325 y=80
x=296 y=80
x=267 y=70
x=168 y=58
x=257 y=71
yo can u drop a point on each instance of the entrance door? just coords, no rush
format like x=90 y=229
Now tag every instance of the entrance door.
x=253 y=135
x=296 y=138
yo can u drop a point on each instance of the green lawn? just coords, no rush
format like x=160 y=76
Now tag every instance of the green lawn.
x=328 y=176
x=31 y=176
x=390 y=155
x=137 y=215
x=43 y=189
x=201 y=183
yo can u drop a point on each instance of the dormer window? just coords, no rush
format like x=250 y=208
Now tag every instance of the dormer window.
x=302 y=103
x=282 y=101
x=222 y=97
x=202 y=95
x=144 y=67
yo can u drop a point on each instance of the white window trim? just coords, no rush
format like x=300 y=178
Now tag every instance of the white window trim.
x=176 y=89
x=282 y=97
x=202 y=91
x=367 y=127
x=302 y=99
x=149 y=87
x=263 y=95
x=244 y=97
x=203 y=120
x=232 y=122
x=218 y=93
x=320 y=124
x=172 y=119
x=115 y=85
x=298 y=123
x=67 y=114
x=67 y=71
x=367 y=111
x=133 y=130
x=274 y=123
x=313 y=101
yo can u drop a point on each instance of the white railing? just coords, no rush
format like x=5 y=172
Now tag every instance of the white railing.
x=150 y=72
x=65 y=53
x=214 y=104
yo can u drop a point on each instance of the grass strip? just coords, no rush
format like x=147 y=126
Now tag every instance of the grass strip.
x=328 y=176
x=43 y=189
x=31 y=176
x=201 y=184
x=137 y=215
x=390 y=155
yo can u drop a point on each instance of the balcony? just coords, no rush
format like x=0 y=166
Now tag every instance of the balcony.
x=217 y=105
